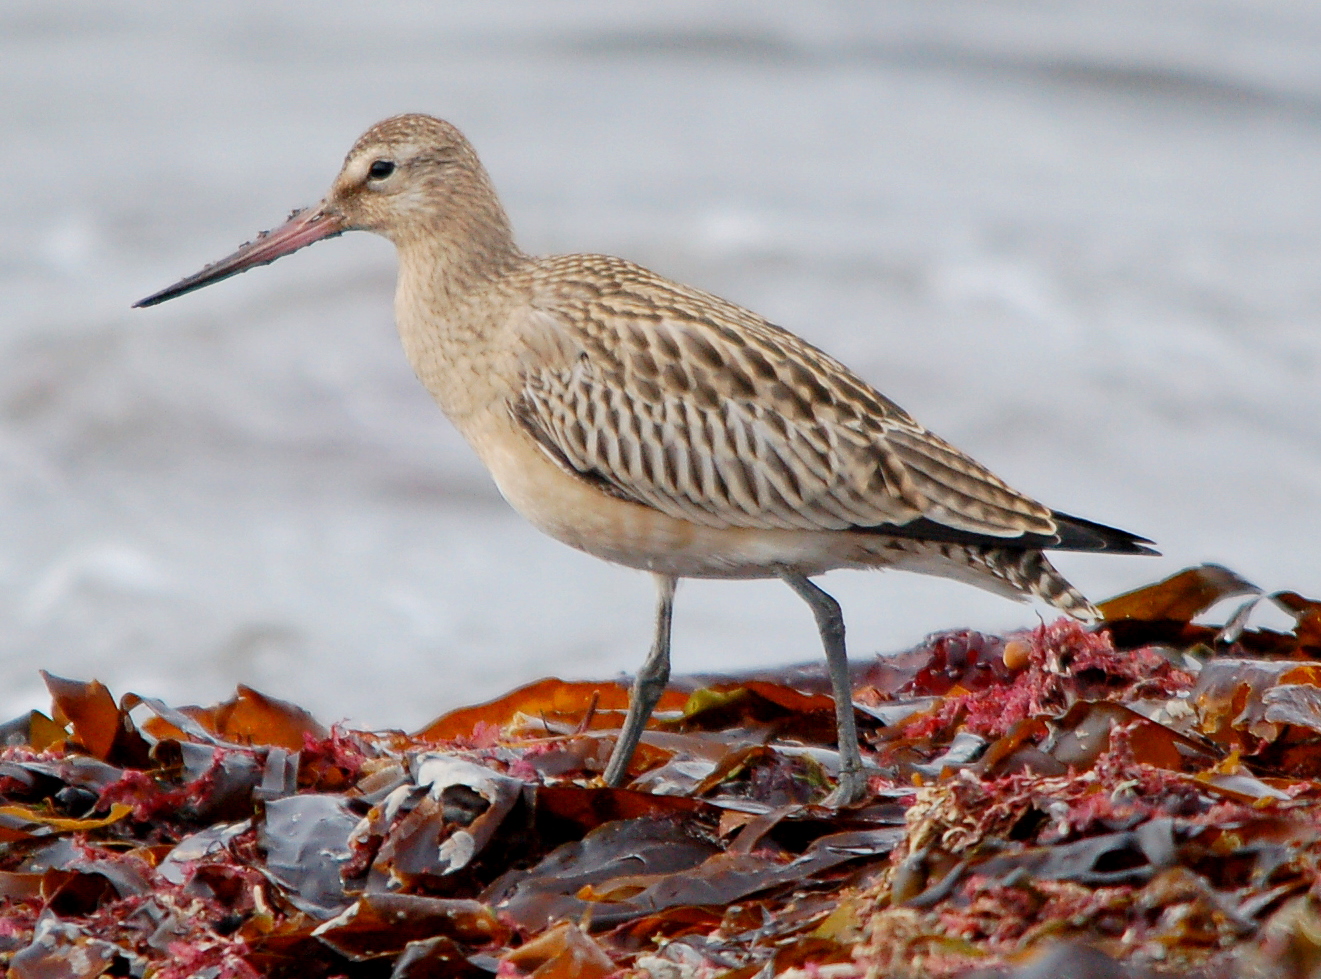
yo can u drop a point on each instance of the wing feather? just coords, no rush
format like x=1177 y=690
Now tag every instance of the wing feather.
x=705 y=412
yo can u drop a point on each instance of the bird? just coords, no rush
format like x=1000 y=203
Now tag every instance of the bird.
x=660 y=427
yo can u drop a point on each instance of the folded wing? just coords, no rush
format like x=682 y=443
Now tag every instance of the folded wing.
x=707 y=413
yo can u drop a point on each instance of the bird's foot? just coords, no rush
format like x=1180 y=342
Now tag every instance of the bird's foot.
x=850 y=790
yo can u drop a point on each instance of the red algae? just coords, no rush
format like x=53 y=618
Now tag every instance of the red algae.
x=1084 y=805
x=1066 y=663
x=148 y=797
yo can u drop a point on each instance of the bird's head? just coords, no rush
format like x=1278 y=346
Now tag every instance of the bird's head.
x=410 y=178
x=407 y=176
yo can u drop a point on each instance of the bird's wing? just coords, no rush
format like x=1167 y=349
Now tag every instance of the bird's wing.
x=710 y=414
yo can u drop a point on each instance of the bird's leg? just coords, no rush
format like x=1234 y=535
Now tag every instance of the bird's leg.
x=852 y=785
x=647 y=687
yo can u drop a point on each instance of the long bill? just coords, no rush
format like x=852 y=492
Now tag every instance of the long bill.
x=302 y=228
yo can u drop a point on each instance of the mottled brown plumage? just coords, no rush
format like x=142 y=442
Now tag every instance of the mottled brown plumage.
x=661 y=427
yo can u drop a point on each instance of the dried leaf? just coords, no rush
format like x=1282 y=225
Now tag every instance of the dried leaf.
x=1085 y=736
x=33 y=729
x=447 y=828
x=383 y=924
x=1179 y=598
x=639 y=846
x=61 y=824
x=1229 y=698
x=306 y=842
x=429 y=958
x=253 y=718
x=1307 y=613
x=551 y=698
x=89 y=708
x=64 y=951
x=564 y=952
x=1293 y=703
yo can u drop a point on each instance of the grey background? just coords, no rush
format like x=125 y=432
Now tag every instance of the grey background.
x=1080 y=240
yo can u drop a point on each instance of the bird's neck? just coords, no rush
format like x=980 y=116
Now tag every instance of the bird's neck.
x=450 y=304
x=445 y=263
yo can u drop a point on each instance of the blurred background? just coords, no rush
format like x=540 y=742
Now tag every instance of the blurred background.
x=1082 y=241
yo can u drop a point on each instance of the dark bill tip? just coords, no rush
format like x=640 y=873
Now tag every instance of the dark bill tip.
x=302 y=228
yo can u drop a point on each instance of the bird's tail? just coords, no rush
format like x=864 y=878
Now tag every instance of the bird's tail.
x=1014 y=572
x=1031 y=573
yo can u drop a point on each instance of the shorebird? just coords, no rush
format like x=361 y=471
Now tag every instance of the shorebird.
x=661 y=427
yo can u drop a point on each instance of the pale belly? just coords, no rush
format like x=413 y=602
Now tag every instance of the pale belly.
x=576 y=513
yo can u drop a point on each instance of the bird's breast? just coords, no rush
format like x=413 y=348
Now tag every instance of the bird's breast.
x=578 y=512
x=454 y=360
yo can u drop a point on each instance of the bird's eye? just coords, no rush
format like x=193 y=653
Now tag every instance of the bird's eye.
x=380 y=169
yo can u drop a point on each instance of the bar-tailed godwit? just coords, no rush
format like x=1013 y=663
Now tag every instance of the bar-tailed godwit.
x=661 y=427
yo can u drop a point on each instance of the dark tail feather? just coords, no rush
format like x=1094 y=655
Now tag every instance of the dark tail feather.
x=1077 y=534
